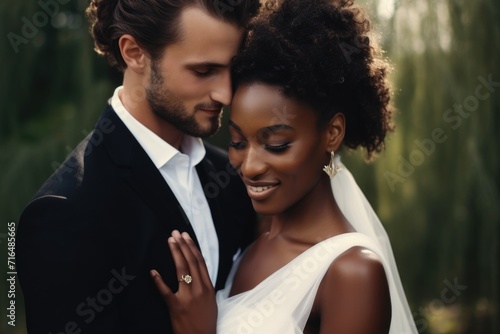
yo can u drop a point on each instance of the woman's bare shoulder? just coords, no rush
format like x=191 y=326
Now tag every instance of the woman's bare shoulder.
x=354 y=294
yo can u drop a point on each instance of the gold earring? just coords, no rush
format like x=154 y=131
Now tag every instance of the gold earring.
x=330 y=169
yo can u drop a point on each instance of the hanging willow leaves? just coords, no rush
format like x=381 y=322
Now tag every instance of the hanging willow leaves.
x=435 y=188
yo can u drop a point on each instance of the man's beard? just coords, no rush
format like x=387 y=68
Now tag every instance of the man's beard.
x=168 y=107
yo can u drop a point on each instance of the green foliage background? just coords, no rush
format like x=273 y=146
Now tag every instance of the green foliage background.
x=441 y=207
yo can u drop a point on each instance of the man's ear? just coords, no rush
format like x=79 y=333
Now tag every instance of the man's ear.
x=133 y=54
x=335 y=132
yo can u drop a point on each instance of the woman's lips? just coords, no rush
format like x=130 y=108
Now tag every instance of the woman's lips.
x=259 y=189
x=260 y=193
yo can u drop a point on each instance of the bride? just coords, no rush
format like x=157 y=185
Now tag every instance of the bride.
x=308 y=83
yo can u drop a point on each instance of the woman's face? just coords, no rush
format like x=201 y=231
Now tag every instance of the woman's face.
x=276 y=147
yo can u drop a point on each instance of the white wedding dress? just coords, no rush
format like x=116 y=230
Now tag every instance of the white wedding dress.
x=281 y=303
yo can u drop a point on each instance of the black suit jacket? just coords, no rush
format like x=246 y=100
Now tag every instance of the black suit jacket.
x=97 y=226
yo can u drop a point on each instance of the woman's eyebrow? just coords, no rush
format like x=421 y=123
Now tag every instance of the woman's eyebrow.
x=267 y=129
x=277 y=127
x=231 y=123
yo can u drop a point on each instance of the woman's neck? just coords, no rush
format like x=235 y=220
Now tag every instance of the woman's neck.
x=314 y=218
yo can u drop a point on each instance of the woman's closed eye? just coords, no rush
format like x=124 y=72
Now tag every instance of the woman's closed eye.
x=277 y=148
x=237 y=144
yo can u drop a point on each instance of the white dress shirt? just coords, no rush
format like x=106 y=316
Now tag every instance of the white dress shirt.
x=178 y=170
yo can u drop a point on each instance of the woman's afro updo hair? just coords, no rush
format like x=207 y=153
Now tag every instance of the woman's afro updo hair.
x=318 y=53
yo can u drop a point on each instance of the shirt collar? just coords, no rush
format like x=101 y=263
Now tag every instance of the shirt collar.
x=157 y=149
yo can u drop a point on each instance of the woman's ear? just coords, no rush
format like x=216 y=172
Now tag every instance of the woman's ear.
x=133 y=54
x=335 y=132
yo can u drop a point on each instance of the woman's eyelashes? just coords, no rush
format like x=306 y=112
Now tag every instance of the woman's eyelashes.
x=277 y=148
x=239 y=145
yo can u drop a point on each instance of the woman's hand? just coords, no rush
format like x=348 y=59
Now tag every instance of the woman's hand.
x=192 y=309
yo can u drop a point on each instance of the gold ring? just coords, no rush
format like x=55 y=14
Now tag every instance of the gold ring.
x=186 y=279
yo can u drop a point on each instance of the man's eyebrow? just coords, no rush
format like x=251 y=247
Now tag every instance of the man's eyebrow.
x=207 y=64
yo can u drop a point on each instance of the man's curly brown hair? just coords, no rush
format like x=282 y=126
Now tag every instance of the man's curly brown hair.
x=319 y=53
x=154 y=23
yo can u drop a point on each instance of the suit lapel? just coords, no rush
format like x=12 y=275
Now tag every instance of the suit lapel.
x=206 y=171
x=142 y=175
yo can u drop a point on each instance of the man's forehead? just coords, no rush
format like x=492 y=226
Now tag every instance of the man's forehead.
x=205 y=39
x=198 y=23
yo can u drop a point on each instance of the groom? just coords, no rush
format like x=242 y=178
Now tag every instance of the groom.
x=97 y=226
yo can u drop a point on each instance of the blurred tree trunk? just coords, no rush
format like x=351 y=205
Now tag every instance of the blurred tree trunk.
x=436 y=188
x=444 y=209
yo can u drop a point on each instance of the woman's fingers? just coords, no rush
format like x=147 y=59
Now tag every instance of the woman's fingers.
x=188 y=261
x=190 y=258
x=193 y=300
x=180 y=261
x=163 y=289
x=202 y=266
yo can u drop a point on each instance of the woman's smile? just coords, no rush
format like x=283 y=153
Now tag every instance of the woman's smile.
x=262 y=192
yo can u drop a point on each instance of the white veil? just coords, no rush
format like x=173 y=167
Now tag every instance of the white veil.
x=358 y=211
